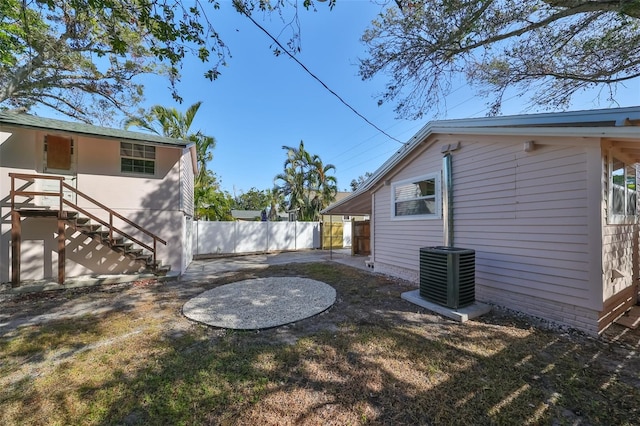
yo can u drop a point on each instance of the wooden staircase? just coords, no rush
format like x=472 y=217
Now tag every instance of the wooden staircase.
x=76 y=218
x=122 y=245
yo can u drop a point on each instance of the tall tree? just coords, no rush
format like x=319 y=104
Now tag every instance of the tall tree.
x=306 y=183
x=276 y=203
x=212 y=204
x=253 y=199
x=294 y=177
x=174 y=124
x=543 y=49
x=82 y=58
x=324 y=187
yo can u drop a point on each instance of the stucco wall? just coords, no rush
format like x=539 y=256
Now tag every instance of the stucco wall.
x=151 y=201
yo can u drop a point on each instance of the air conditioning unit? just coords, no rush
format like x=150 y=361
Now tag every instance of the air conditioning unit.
x=448 y=276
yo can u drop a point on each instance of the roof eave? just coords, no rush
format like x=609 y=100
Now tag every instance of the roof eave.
x=123 y=135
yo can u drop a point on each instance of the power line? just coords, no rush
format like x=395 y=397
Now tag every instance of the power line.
x=285 y=50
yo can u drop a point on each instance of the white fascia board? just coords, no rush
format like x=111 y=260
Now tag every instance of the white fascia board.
x=616 y=115
x=622 y=132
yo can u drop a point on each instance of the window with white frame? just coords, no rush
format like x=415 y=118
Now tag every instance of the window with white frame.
x=137 y=158
x=622 y=192
x=418 y=198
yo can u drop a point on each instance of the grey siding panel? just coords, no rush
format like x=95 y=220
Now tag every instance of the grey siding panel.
x=525 y=214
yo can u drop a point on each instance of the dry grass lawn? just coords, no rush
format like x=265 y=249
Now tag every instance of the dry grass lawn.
x=126 y=355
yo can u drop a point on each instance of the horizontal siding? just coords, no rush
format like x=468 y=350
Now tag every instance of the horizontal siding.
x=540 y=248
x=525 y=214
x=398 y=242
x=566 y=313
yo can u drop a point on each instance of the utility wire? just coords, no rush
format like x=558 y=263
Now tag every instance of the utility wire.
x=282 y=48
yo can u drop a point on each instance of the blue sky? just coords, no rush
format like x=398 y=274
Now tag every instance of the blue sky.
x=262 y=102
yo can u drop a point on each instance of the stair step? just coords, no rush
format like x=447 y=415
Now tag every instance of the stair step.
x=163 y=270
x=144 y=258
x=119 y=244
x=99 y=234
x=134 y=253
x=88 y=227
x=122 y=248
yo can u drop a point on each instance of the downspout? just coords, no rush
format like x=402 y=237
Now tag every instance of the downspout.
x=447 y=201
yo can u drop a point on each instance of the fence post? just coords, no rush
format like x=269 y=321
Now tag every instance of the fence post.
x=197 y=235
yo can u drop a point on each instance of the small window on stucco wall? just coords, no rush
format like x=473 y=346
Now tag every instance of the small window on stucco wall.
x=137 y=158
x=622 y=189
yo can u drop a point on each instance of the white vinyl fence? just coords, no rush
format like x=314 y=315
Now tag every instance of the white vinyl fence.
x=253 y=237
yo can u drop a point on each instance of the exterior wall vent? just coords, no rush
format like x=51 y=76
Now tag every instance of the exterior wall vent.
x=448 y=276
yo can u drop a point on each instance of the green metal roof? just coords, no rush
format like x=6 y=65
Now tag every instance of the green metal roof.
x=24 y=120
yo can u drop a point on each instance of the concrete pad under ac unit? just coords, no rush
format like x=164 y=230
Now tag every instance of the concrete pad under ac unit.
x=461 y=314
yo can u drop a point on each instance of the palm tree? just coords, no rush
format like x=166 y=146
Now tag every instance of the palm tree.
x=165 y=121
x=296 y=171
x=306 y=183
x=172 y=123
x=276 y=202
x=323 y=185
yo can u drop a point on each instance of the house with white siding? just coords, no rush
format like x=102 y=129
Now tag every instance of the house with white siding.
x=79 y=200
x=548 y=202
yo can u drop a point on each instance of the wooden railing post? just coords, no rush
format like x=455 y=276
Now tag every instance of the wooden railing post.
x=16 y=239
x=13 y=193
x=60 y=191
x=111 y=227
x=62 y=252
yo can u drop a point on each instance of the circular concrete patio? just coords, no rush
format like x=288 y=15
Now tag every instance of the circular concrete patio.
x=260 y=303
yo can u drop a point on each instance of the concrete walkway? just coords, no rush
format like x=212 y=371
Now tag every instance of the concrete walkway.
x=218 y=266
x=202 y=269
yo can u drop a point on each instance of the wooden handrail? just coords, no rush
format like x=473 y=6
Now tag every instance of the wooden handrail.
x=116 y=214
x=32 y=178
x=102 y=222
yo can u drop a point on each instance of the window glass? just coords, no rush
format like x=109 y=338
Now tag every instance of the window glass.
x=137 y=158
x=618 y=190
x=631 y=190
x=622 y=195
x=416 y=198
